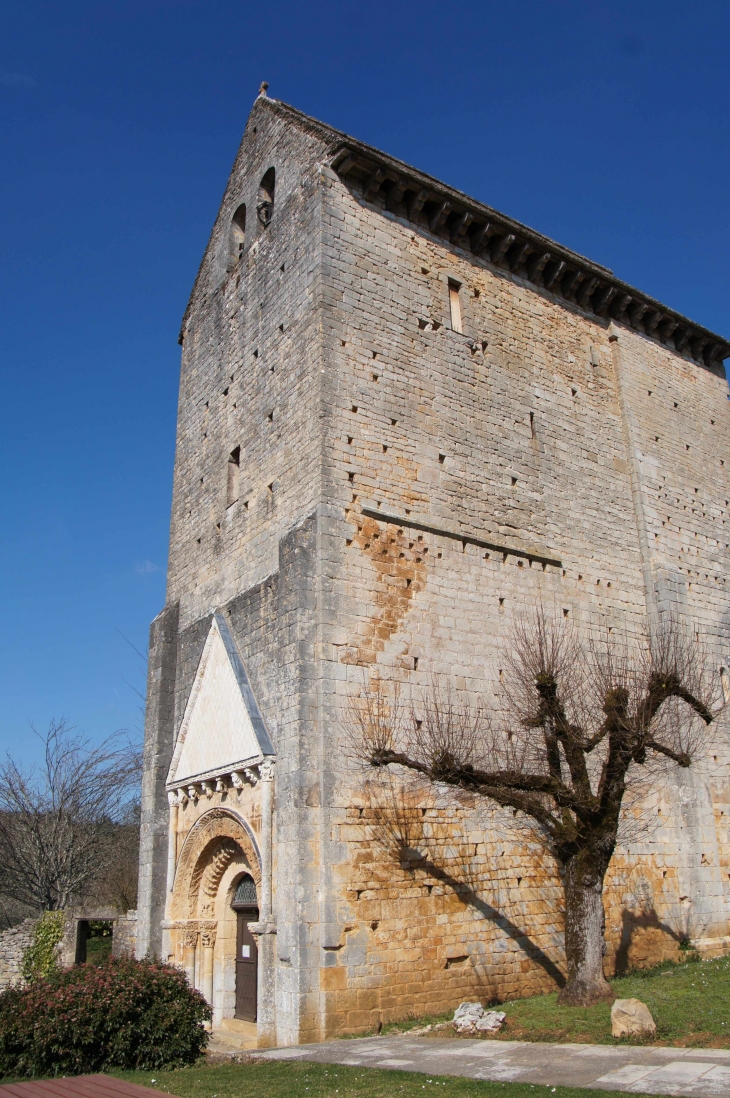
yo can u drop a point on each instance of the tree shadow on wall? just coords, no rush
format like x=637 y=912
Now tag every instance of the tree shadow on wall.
x=396 y=818
x=632 y=921
x=412 y=859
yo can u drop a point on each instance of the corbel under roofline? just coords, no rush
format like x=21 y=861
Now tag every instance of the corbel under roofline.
x=492 y=238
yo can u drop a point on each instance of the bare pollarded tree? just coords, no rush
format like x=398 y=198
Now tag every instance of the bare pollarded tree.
x=61 y=821
x=577 y=726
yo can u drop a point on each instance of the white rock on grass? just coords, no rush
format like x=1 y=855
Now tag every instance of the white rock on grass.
x=631 y=1018
x=473 y=1018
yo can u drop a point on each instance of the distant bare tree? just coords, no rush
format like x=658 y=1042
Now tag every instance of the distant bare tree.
x=59 y=821
x=576 y=723
x=116 y=884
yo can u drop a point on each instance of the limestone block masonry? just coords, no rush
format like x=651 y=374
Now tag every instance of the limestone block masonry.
x=14 y=943
x=403 y=419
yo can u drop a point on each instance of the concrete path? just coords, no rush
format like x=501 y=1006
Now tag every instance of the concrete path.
x=696 y=1073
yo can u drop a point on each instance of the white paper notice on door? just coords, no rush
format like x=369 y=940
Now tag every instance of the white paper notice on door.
x=245 y=951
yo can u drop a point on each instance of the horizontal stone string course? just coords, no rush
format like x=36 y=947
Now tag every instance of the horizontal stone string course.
x=465 y=539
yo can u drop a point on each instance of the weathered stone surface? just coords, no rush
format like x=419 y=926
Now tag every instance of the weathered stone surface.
x=471 y=1018
x=383 y=455
x=631 y=1018
x=13 y=944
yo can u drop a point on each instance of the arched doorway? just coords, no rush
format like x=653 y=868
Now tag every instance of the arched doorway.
x=245 y=905
x=218 y=856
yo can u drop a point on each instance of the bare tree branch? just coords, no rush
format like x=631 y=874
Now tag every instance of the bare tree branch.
x=59 y=820
x=576 y=724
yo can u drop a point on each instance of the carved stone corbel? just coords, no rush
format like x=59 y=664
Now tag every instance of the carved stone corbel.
x=479 y=239
x=442 y=212
x=461 y=226
x=502 y=246
x=555 y=275
x=417 y=203
x=586 y=292
x=373 y=182
x=522 y=253
x=537 y=266
x=620 y=306
x=395 y=194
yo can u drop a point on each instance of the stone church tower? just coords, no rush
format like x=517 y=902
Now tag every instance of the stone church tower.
x=403 y=419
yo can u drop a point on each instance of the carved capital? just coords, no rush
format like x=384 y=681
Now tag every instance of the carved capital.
x=190 y=936
x=266 y=770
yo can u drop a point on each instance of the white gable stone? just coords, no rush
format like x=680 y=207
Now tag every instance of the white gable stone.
x=222 y=727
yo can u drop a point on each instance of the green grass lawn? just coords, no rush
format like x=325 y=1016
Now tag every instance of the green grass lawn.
x=284 y=1079
x=689 y=1002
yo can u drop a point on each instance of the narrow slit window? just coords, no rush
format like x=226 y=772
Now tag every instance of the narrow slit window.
x=234 y=475
x=455 y=307
x=265 y=201
x=237 y=235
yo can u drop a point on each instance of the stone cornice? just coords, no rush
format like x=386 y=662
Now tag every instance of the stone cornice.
x=497 y=240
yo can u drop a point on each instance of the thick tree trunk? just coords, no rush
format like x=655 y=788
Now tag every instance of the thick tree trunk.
x=584 y=927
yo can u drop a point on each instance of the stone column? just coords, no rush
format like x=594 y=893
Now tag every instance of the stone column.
x=207 y=941
x=266 y=772
x=172 y=841
x=190 y=941
x=265 y=929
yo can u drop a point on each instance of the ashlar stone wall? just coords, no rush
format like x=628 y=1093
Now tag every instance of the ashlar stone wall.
x=547 y=431
x=384 y=460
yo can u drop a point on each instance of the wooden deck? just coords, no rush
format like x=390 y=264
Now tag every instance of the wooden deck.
x=79 y=1086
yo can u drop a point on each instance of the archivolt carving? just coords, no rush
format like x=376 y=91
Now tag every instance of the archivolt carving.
x=209 y=847
x=213 y=872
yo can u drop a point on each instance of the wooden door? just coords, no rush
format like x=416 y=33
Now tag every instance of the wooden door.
x=246 y=965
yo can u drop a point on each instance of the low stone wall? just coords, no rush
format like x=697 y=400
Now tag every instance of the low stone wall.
x=124 y=931
x=17 y=939
x=125 y=935
x=13 y=944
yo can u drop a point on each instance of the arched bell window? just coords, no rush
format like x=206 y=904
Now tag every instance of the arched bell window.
x=238 y=234
x=265 y=200
x=246 y=893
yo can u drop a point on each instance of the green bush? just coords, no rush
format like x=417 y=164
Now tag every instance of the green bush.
x=41 y=959
x=124 y=1013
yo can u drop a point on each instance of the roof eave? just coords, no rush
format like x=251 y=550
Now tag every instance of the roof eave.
x=494 y=238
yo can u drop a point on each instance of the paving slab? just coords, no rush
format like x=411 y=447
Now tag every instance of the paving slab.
x=690 y=1072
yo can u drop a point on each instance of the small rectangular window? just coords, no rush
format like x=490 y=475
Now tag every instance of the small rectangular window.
x=455 y=306
x=234 y=474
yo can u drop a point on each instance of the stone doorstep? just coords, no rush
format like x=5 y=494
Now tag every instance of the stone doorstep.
x=233 y=1035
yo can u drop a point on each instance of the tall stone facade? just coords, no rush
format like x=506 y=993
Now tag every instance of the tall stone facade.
x=404 y=419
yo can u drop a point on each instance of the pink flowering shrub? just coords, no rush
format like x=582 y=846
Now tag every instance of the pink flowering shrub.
x=124 y=1013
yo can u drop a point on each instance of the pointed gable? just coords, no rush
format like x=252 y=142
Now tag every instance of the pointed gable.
x=222 y=727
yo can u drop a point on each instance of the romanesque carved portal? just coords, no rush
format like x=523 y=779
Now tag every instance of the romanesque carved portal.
x=213 y=907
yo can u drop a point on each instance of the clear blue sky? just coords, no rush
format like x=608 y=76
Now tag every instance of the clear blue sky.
x=602 y=124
